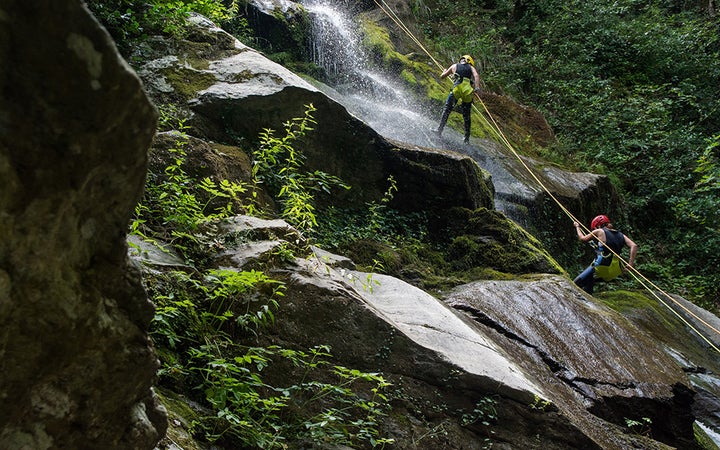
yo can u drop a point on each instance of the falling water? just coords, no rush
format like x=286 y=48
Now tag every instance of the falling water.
x=376 y=97
x=379 y=99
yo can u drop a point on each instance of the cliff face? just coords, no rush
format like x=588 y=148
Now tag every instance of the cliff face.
x=75 y=125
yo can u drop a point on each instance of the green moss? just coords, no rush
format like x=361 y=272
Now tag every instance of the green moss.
x=181 y=417
x=176 y=404
x=641 y=307
x=188 y=82
x=473 y=245
x=487 y=238
x=408 y=77
x=703 y=440
x=377 y=39
x=626 y=301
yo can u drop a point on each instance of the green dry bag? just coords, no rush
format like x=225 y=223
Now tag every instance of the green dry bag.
x=464 y=91
x=610 y=272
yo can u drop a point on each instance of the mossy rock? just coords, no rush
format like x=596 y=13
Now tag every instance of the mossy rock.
x=181 y=416
x=704 y=441
x=486 y=238
x=187 y=82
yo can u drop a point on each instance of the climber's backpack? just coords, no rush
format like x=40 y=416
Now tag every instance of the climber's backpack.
x=608 y=267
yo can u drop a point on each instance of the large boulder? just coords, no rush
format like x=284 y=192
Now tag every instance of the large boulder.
x=690 y=335
x=441 y=364
x=75 y=125
x=587 y=355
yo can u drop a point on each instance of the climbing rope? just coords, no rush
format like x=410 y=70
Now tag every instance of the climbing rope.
x=498 y=133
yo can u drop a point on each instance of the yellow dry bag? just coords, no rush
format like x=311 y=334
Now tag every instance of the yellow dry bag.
x=610 y=272
x=463 y=91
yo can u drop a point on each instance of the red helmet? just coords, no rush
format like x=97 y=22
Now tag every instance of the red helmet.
x=599 y=221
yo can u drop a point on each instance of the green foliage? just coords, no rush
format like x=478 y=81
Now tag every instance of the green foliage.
x=189 y=311
x=340 y=228
x=278 y=165
x=173 y=13
x=131 y=19
x=203 y=317
x=642 y=426
x=248 y=411
x=483 y=413
x=175 y=204
x=540 y=403
x=171 y=118
x=703 y=207
x=200 y=323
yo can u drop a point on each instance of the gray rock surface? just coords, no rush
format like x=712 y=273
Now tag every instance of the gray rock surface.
x=564 y=370
x=76 y=363
x=595 y=364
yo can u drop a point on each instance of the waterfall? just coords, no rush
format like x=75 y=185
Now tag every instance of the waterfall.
x=379 y=99
x=336 y=43
x=376 y=97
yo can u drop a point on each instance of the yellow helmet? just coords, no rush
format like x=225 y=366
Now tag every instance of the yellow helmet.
x=468 y=59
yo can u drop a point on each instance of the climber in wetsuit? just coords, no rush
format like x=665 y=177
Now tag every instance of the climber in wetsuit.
x=466 y=84
x=605 y=266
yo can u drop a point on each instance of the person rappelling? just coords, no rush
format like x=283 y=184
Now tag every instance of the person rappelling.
x=466 y=83
x=608 y=243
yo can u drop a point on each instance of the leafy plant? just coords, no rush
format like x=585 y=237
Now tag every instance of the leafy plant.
x=306 y=410
x=175 y=204
x=228 y=288
x=540 y=403
x=278 y=164
x=340 y=228
x=204 y=316
x=483 y=413
x=200 y=323
x=642 y=426
x=130 y=20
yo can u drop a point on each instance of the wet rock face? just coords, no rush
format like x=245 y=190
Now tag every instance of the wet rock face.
x=76 y=362
x=596 y=365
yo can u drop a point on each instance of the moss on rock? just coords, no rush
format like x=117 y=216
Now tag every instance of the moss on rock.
x=181 y=416
x=187 y=82
x=487 y=238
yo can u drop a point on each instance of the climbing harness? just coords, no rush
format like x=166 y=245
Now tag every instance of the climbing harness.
x=497 y=131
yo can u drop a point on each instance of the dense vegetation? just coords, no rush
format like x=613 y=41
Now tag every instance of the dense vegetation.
x=209 y=323
x=631 y=89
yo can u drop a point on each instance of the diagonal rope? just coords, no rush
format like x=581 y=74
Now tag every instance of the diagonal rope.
x=497 y=131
